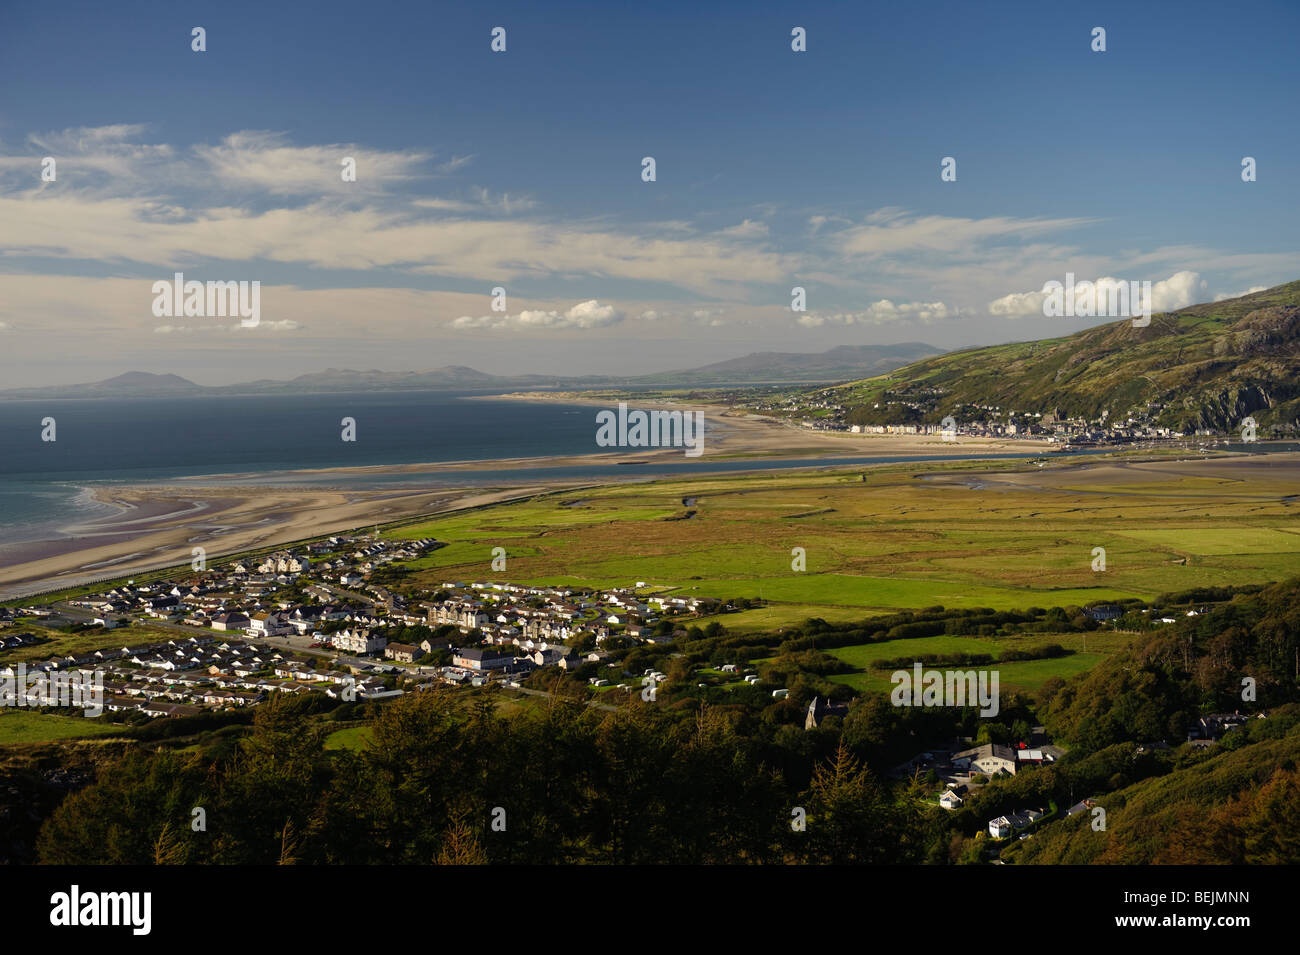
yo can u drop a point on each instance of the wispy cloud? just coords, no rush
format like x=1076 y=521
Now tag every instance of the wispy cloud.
x=881 y=313
x=589 y=314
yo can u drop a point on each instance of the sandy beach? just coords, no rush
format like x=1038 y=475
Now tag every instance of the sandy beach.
x=731 y=432
x=159 y=524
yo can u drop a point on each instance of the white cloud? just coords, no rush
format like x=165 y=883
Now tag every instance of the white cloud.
x=283 y=325
x=504 y=203
x=1250 y=291
x=1178 y=291
x=892 y=231
x=749 y=229
x=591 y=313
x=1018 y=304
x=125 y=207
x=269 y=162
x=456 y=162
x=881 y=313
x=422 y=240
x=588 y=314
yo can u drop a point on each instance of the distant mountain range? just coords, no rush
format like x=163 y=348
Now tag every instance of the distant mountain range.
x=838 y=364
x=1205 y=366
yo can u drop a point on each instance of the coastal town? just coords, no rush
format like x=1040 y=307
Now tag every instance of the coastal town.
x=830 y=410
x=316 y=619
x=337 y=618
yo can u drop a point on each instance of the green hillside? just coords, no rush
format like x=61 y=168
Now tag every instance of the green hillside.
x=1233 y=805
x=1205 y=366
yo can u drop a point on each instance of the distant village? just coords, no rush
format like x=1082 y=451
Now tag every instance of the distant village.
x=313 y=620
x=825 y=411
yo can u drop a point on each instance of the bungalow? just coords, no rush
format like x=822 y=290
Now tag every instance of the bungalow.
x=475 y=659
x=293 y=670
x=155 y=708
x=116 y=704
x=230 y=620
x=989 y=759
x=953 y=797
x=1003 y=826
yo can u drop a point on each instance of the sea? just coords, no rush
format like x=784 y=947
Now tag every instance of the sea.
x=45 y=485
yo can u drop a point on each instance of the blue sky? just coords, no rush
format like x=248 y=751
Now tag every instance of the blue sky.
x=522 y=169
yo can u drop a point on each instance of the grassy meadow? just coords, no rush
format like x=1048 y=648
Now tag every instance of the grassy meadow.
x=60 y=643
x=977 y=536
x=31 y=726
x=1085 y=651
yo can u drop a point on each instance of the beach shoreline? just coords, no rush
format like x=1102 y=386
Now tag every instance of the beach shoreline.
x=158 y=524
x=228 y=521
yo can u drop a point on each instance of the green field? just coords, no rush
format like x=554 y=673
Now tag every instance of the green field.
x=353 y=737
x=1018 y=675
x=971 y=534
x=1087 y=649
x=30 y=726
x=61 y=644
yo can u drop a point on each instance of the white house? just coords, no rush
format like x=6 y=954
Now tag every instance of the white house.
x=265 y=624
x=952 y=798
